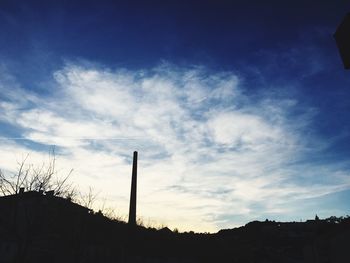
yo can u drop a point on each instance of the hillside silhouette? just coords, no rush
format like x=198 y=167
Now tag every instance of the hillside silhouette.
x=41 y=227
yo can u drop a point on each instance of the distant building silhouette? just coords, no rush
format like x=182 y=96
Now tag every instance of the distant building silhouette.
x=132 y=209
x=342 y=37
x=40 y=227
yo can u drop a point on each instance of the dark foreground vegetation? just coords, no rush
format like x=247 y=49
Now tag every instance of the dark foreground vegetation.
x=39 y=227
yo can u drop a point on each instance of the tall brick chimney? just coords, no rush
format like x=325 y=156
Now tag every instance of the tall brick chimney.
x=132 y=210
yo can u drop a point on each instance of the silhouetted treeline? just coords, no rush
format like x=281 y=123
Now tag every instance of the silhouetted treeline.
x=45 y=228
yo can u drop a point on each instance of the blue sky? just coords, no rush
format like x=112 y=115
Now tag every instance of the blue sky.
x=238 y=110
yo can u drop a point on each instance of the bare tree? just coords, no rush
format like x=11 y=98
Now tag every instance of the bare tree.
x=11 y=184
x=88 y=199
x=40 y=178
x=44 y=178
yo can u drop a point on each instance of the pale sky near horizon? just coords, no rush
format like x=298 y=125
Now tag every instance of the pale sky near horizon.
x=239 y=111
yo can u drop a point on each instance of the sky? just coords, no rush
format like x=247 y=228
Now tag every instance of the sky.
x=238 y=109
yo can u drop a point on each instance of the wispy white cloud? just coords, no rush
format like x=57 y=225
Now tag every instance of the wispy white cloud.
x=207 y=150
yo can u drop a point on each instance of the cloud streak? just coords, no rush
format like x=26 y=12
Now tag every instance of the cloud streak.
x=208 y=151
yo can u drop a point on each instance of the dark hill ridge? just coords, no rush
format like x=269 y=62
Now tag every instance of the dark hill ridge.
x=43 y=228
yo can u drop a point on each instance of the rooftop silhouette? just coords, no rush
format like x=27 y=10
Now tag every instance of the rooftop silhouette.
x=40 y=227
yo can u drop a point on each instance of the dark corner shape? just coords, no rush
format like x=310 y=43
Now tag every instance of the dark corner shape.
x=342 y=38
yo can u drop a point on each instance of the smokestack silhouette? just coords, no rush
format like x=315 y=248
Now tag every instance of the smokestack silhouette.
x=132 y=210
